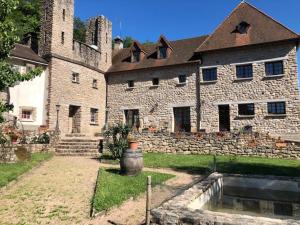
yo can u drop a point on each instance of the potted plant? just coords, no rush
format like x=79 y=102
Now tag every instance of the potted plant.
x=132 y=142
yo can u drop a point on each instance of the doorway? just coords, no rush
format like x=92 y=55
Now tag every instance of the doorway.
x=224 y=118
x=182 y=119
x=74 y=119
x=132 y=118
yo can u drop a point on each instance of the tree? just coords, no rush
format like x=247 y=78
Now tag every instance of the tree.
x=27 y=17
x=148 y=42
x=79 y=30
x=128 y=41
x=8 y=38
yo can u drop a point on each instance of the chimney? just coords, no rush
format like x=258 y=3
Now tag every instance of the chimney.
x=118 y=43
x=31 y=40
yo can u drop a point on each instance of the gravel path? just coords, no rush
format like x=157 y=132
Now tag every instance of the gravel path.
x=59 y=192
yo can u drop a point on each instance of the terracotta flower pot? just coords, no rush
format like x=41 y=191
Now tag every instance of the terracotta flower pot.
x=133 y=145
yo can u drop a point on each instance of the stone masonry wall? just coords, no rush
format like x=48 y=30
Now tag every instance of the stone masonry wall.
x=155 y=103
x=259 y=90
x=248 y=144
x=66 y=93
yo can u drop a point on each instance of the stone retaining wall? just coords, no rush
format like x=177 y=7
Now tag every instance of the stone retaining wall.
x=243 y=144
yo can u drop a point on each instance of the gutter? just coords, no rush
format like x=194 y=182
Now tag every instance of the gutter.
x=28 y=60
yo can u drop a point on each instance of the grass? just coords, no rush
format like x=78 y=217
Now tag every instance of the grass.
x=113 y=189
x=10 y=172
x=225 y=164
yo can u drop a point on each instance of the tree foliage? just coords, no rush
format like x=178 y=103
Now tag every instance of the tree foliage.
x=79 y=30
x=8 y=37
x=128 y=41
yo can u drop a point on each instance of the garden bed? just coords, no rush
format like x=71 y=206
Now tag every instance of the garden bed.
x=10 y=172
x=112 y=189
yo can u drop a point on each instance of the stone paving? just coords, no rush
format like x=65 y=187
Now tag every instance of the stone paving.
x=59 y=192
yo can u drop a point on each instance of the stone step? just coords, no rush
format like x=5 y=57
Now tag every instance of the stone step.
x=79 y=141
x=78 y=154
x=77 y=144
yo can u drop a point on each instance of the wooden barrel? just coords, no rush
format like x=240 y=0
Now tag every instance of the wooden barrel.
x=132 y=162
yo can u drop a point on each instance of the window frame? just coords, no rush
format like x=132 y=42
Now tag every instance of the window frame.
x=213 y=77
x=95 y=84
x=76 y=76
x=181 y=76
x=274 y=105
x=244 y=69
x=130 y=84
x=246 y=112
x=274 y=71
x=155 y=83
x=94 y=113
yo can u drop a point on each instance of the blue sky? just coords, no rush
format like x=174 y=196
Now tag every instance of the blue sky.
x=177 y=19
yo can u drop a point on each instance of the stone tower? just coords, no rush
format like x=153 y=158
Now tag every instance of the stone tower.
x=57 y=28
x=99 y=35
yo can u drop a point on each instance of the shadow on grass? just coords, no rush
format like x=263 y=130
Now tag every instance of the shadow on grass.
x=242 y=168
x=114 y=171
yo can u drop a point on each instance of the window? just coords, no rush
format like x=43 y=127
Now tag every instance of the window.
x=163 y=52
x=246 y=109
x=94 y=116
x=130 y=83
x=155 y=81
x=26 y=115
x=95 y=84
x=182 y=79
x=135 y=56
x=242 y=28
x=209 y=74
x=132 y=118
x=244 y=71
x=75 y=78
x=106 y=38
x=276 y=108
x=274 y=68
x=62 y=37
x=106 y=57
x=182 y=119
x=64 y=15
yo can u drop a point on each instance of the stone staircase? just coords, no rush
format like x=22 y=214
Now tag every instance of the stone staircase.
x=78 y=145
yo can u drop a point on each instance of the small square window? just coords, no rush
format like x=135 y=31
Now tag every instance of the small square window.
x=277 y=108
x=209 y=74
x=246 y=109
x=274 y=68
x=75 y=78
x=182 y=79
x=155 y=81
x=26 y=115
x=163 y=52
x=244 y=71
x=94 y=116
x=130 y=83
x=95 y=84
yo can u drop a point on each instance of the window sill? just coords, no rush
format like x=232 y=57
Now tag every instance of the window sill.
x=129 y=88
x=245 y=116
x=209 y=82
x=243 y=79
x=75 y=82
x=26 y=121
x=154 y=86
x=273 y=76
x=181 y=84
x=94 y=124
x=276 y=115
x=95 y=88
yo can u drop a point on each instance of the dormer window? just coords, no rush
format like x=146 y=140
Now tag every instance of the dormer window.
x=163 y=51
x=136 y=56
x=242 y=28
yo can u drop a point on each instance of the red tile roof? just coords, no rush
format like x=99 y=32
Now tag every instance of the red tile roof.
x=263 y=29
x=182 y=52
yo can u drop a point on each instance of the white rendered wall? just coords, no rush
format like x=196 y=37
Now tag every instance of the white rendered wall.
x=31 y=94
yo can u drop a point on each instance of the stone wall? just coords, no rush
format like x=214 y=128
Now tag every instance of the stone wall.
x=259 y=90
x=243 y=144
x=65 y=92
x=155 y=103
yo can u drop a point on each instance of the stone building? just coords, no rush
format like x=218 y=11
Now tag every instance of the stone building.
x=242 y=76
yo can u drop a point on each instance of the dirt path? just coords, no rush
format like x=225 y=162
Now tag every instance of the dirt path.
x=59 y=192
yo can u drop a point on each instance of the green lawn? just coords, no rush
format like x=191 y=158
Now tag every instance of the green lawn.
x=113 y=189
x=9 y=172
x=225 y=164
